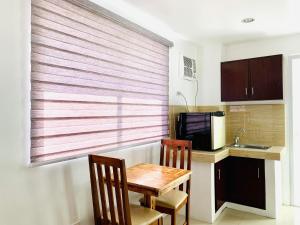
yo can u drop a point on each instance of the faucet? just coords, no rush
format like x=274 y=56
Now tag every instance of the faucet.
x=236 y=139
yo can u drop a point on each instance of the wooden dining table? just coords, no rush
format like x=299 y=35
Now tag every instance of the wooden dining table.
x=154 y=180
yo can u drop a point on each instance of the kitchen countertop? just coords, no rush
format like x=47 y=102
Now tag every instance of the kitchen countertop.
x=273 y=153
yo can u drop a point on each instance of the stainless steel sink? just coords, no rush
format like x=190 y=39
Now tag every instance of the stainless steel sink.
x=260 y=147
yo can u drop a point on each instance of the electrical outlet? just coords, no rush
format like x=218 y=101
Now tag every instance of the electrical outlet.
x=237 y=108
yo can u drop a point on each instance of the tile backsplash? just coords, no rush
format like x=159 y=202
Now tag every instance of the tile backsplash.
x=263 y=124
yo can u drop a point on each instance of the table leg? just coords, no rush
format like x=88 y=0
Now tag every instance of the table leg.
x=149 y=201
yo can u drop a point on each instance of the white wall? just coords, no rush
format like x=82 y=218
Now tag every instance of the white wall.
x=210 y=73
x=208 y=56
x=288 y=46
x=295 y=127
x=57 y=194
x=177 y=83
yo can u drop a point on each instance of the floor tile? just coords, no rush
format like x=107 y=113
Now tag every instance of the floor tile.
x=288 y=216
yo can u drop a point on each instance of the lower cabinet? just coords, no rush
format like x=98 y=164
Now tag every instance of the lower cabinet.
x=221 y=183
x=240 y=180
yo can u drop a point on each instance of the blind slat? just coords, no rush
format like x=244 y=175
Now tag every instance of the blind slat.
x=72 y=57
x=91 y=31
x=98 y=135
x=63 y=46
x=90 y=76
x=107 y=23
x=54 y=35
x=93 y=142
x=95 y=123
x=63 y=88
x=45 y=95
x=61 y=105
x=102 y=27
x=71 y=129
x=83 y=152
x=95 y=85
x=48 y=60
x=93 y=39
x=92 y=113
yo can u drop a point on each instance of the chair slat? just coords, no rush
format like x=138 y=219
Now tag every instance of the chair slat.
x=118 y=196
x=182 y=153
x=102 y=193
x=110 y=194
x=125 y=193
x=168 y=155
x=96 y=206
x=162 y=153
x=175 y=150
x=189 y=160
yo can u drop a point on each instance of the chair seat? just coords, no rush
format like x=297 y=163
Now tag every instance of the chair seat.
x=140 y=215
x=171 y=199
x=143 y=216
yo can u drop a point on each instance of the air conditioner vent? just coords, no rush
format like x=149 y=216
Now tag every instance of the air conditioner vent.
x=189 y=68
x=187 y=62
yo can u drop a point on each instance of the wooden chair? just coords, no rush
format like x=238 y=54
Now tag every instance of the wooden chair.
x=110 y=195
x=171 y=202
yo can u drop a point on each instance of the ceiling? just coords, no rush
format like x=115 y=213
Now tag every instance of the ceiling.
x=221 y=19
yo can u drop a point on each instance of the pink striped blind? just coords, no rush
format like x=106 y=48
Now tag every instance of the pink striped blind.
x=96 y=85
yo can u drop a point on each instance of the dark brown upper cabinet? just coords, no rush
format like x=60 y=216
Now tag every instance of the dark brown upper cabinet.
x=252 y=79
x=234 y=80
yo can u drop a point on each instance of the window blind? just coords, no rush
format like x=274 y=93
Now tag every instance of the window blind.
x=96 y=84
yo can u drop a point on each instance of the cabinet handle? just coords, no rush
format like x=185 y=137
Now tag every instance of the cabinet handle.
x=246 y=91
x=258 y=173
x=219 y=172
x=252 y=91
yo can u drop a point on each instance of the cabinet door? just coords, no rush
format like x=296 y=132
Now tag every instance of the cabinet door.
x=247 y=182
x=220 y=184
x=234 y=80
x=266 y=78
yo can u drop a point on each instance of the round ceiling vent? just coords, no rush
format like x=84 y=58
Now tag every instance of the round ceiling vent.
x=248 y=20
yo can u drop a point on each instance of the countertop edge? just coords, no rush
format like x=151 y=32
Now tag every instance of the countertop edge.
x=274 y=153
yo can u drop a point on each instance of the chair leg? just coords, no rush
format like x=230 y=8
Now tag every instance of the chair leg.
x=187 y=212
x=160 y=221
x=173 y=218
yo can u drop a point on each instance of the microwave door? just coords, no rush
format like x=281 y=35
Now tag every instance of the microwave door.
x=217 y=132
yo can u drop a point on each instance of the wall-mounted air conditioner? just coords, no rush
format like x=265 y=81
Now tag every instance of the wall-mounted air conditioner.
x=187 y=67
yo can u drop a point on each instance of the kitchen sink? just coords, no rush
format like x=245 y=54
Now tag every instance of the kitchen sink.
x=260 y=147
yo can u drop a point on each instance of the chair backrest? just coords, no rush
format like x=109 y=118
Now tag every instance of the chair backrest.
x=109 y=190
x=176 y=149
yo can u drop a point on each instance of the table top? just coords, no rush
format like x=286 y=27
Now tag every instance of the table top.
x=155 y=180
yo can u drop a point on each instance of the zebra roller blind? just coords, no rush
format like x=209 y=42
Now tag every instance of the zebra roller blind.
x=96 y=85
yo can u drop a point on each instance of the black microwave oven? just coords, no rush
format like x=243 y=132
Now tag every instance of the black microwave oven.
x=206 y=130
